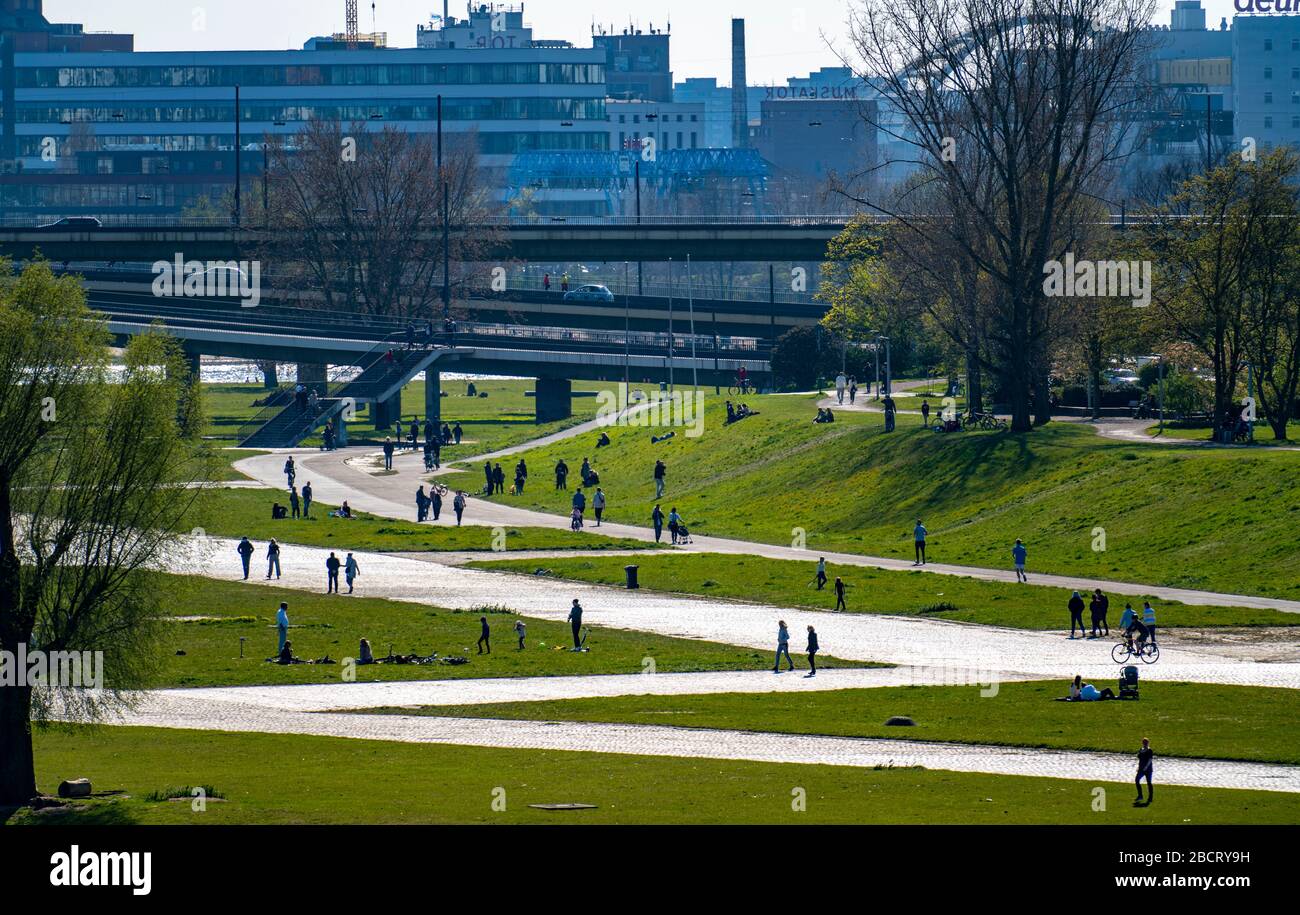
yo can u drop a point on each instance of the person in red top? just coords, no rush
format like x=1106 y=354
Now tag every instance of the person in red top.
x=546 y=282
x=742 y=377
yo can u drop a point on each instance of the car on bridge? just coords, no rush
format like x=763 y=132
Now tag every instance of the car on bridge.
x=590 y=293
x=72 y=224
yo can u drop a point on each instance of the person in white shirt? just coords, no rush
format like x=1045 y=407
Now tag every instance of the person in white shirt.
x=598 y=504
x=521 y=630
x=840 y=384
x=282 y=624
x=1149 y=620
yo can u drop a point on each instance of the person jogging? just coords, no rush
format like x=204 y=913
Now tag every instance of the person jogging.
x=839 y=595
x=272 y=560
x=484 y=636
x=1098 y=607
x=812 y=651
x=1149 y=620
x=332 y=565
x=1146 y=769
x=918 y=534
x=782 y=647
x=351 y=570
x=245 y=550
x=1018 y=554
x=575 y=620
x=282 y=626
x=821 y=573
x=1076 y=615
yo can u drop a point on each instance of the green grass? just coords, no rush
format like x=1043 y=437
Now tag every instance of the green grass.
x=1197 y=518
x=226 y=472
x=247 y=512
x=1263 y=434
x=501 y=420
x=334 y=625
x=1182 y=719
x=280 y=779
x=786 y=583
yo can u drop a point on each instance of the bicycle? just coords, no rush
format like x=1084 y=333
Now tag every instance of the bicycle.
x=986 y=421
x=741 y=389
x=439 y=489
x=1148 y=652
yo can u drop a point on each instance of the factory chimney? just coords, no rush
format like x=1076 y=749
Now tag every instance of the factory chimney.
x=739 y=87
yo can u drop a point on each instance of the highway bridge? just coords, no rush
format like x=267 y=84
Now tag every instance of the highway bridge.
x=551 y=240
x=388 y=359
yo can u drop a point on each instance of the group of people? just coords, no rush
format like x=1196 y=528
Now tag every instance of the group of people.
x=783 y=649
x=579 y=508
x=431 y=502
x=846 y=385
x=824 y=415
x=737 y=412
x=840 y=586
x=677 y=528
x=333 y=565
x=564 y=283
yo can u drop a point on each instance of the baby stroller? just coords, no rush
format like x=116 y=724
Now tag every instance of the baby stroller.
x=1128 y=683
x=683 y=535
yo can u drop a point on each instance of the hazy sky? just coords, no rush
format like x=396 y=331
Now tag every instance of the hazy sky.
x=784 y=38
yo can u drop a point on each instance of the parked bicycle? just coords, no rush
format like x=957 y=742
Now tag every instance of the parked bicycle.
x=985 y=421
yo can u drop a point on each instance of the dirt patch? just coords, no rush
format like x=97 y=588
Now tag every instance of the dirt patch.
x=1275 y=644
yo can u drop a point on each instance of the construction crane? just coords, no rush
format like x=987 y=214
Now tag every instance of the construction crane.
x=353 y=30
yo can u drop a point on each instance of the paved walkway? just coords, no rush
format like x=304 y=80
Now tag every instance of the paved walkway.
x=173 y=711
x=865 y=637
x=334 y=479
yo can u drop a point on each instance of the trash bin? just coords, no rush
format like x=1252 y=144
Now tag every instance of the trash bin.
x=631 y=571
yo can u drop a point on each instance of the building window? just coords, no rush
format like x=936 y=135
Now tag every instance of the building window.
x=1268 y=123
x=1295 y=122
x=695 y=140
x=1268 y=98
x=104 y=165
x=622 y=118
x=1295 y=44
x=1268 y=44
x=680 y=145
x=1268 y=73
x=1295 y=72
x=694 y=118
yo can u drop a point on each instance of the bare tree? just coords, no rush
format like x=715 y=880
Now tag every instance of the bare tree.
x=1014 y=110
x=357 y=213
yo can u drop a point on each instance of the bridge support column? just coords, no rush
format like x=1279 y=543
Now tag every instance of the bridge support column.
x=433 y=396
x=341 y=430
x=314 y=376
x=554 y=399
x=385 y=412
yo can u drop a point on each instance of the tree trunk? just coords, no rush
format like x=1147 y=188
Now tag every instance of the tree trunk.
x=17 y=765
x=1042 y=400
x=974 y=382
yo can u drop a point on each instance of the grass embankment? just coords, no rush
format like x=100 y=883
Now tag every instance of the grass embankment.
x=786 y=583
x=338 y=781
x=334 y=625
x=1199 y=518
x=247 y=512
x=1182 y=719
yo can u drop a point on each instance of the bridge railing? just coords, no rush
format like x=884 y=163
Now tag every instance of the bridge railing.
x=681 y=343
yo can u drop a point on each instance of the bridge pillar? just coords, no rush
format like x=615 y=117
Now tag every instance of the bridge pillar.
x=554 y=399
x=433 y=396
x=385 y=412
x=341 y=430
x=315 y=376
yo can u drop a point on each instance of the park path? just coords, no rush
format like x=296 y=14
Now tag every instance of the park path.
x=907 y=641
x=172 y=710
x=336 y=476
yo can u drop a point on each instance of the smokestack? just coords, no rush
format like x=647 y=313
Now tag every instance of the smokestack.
x=739 y=87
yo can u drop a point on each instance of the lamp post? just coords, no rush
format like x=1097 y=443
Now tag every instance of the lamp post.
x=1161 y=376
x=670 y=324
x=446 y=227
x=627 y=334
x=690 y=298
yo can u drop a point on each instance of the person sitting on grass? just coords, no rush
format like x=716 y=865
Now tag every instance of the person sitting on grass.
x=286 y=654
x=344 y=511
x=731 y=412
x=603 y=441
x=279 y=512
x=367 y=655
x=1088 y=693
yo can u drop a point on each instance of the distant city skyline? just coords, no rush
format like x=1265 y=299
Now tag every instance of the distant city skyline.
x=784 y=39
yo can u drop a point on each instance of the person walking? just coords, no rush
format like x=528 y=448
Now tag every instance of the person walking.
x=245 y=550
x=487 y=477
x=484 y=636
x=891 y=413
x=840 y=384
x=290 y=470
x=1149 y=620
x=272 y=560
x=421 y=505
x=351 y=570
x=674 y=524
x=458 y=505
x=821 y=573
x=839 y=595
x=521 y=632
x=294 y=505
x=564 y=283
x=499 y=477
x=546 y=283
x=598 y=504
x=1076 y=615
x=812 y=651
x=435 y=502
x=1098 y=607
x=657 y=518
x=1146 y=769
x=521 y=477
x=389 y=448
x=925 y=412
x=306 y=500
x=457 y=432
x=561 y=475
x=853 y=391
x=282 y=626
x=782 y=647
x=918 y=534
x=1018 y=554
x=332 y=574
x=661 y=472
x=575 y=620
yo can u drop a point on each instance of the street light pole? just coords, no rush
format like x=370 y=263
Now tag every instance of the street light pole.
x=627 y=334
x=446 y=227
x=889 y=375
x=1161 y=376
x=690 y=298
x=670 y=324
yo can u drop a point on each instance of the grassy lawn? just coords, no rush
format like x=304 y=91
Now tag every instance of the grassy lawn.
x=1263 y=434
x=1210 y=519
x=1182 y=719
x=274 y=779
x=226 y=473
x=323 y=625
x=247 y=512
x=501 y=420
x=786 y=583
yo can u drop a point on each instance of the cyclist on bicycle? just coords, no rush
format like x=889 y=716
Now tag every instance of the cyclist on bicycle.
x=742 y=378
x=1132 y=624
